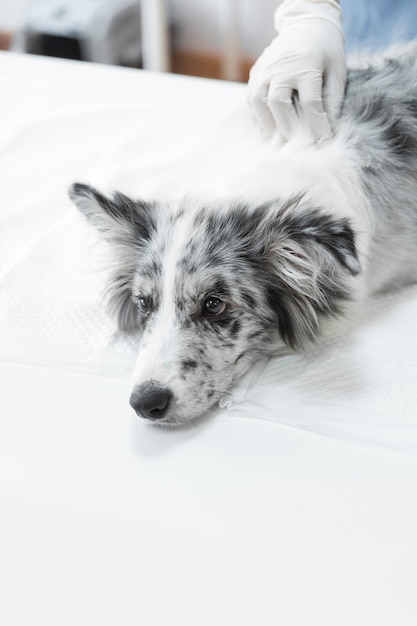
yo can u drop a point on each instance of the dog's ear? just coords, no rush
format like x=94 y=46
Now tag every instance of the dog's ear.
x=310 y=258
x=116 y=217
x=127 y=225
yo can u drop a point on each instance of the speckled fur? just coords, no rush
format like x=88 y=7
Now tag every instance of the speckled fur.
x=333 y=223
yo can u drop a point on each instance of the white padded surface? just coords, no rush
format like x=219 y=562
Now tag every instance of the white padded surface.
x=246 y=518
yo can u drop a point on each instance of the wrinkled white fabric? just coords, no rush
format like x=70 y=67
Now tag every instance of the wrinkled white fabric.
x=245 y=518
x=298 y=82
x=114 y=129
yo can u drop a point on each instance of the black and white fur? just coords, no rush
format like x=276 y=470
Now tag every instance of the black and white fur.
x=280 y=243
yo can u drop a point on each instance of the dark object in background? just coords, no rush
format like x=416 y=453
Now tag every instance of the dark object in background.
x=103 y=31
x=60 y=46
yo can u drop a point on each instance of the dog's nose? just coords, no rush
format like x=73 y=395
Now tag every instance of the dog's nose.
x=151 y=400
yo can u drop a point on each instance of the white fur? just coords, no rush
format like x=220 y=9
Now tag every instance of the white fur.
x=287 y=239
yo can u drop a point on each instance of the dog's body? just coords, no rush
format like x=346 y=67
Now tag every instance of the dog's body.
x=267 y=255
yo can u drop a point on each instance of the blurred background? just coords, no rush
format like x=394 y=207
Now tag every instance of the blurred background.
x=209 y=38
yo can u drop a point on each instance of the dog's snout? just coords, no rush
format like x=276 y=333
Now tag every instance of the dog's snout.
x=151 y=400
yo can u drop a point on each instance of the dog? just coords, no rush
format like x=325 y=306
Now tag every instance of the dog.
x=280 y=245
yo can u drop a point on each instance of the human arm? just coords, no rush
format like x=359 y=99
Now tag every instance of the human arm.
x=301 y=75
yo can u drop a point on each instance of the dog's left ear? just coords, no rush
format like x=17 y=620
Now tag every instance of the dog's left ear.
x=127 y=225
x=310 y=258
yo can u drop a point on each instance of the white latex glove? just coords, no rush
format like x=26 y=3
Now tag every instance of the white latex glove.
x=306 y=60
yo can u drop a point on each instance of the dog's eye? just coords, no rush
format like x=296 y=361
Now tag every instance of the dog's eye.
x=145 y=304
x=213 y=306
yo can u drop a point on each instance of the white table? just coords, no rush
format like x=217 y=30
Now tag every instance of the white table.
x=238 y=520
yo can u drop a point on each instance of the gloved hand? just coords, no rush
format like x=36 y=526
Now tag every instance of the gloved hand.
x=300 y=78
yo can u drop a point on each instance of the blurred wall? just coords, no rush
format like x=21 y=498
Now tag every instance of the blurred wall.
x=201 y=24
x=11 y=12
x=219 y=38
x=201 y=31
x=197 y=24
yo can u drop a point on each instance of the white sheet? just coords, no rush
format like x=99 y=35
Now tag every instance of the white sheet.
x=238 y=520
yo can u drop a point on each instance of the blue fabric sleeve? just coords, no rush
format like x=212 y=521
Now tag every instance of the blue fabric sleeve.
x=374 y=24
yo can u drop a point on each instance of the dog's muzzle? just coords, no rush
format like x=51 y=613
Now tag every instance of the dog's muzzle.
x=151 y=400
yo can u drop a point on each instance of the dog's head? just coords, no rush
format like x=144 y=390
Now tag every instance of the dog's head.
x=213 y=288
